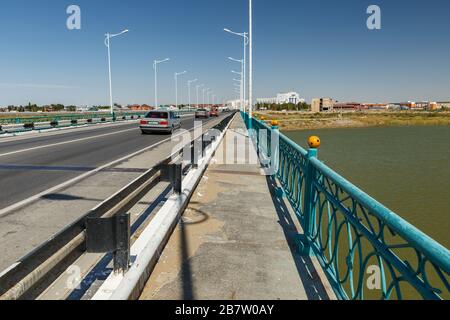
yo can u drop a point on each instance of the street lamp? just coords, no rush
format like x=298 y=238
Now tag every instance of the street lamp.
x=204 y=91
x=244 y=35
x=176 y=86
x=108 y=38
x=241 y=73
x=209 y=94
x=198 y=87
x=189 y=90
x=250 y=81
x=155 y=67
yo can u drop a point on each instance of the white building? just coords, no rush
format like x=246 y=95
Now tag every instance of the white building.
x=266 y=100
x=282 y=98
x=289 y=97
x=234 y=104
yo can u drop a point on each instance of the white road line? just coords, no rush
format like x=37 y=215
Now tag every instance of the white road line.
x=66 y=142
x=61 y=131
x=31 y=199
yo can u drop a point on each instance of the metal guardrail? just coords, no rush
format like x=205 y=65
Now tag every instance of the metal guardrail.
x=355 y=238
x=72 y=119
x=32 y=274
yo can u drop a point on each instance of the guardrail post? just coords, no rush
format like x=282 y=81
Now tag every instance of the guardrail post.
x=194 y=154
x=275 y=148
x=309 y=206
x=110 y=235
x=173 y=174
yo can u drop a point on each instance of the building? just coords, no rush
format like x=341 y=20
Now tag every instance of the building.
x=322 y=104
x=348 y=106
x=443 y=105
x=137 y=107
x=266 y=100
x=234 y=104
x=289 y=97
x=282 y=98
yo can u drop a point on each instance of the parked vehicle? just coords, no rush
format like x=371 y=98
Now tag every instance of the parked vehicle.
x=160 y=121
x=202 y=113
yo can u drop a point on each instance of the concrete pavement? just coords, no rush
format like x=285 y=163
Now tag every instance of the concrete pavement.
x=236 y=240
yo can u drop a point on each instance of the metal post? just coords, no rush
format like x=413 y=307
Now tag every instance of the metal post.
x=108 y=44
x=309 y=206
x=155 y=66
x=250 y=80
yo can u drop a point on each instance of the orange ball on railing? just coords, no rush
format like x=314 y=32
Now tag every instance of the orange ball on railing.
x=314 y=142
x=274 y=123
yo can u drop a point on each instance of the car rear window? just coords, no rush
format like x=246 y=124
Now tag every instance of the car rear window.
x=157 y=115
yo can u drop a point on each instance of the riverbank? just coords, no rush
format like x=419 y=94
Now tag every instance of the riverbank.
x=292 y=121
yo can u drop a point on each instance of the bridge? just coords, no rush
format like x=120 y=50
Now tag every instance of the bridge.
x=231 y=210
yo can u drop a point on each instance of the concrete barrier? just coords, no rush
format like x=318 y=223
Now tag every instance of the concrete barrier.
x=13 y=127
x=65 y=123
x=42 y=125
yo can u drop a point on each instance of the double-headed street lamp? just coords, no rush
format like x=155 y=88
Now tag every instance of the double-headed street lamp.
x=245 y=37
x=198 y=87
x=155 y=67
x=177 y=74
x=108 y=38
x=189 y=90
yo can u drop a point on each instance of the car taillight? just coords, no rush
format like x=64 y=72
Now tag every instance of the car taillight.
x=164 y=123
x=144 y=122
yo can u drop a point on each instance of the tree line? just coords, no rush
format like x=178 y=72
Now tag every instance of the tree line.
x=302 y=106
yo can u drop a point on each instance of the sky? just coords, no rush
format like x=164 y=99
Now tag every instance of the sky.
x=319 y=48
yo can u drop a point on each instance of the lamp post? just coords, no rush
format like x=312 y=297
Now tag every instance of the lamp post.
x=208 y=93
x=155 y=66
x=108 y=38
x=204 y=91
x=244 y=35
x=240 y=73
x=177 y=74
x=189 y=90
x=198 y=87
x=250 y=81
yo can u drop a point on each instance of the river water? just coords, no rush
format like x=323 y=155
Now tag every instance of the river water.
x=405 y=168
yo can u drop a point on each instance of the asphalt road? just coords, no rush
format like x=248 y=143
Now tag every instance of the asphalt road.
x=30 y=165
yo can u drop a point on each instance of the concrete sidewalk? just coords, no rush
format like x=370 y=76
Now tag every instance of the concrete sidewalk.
x=236 y=240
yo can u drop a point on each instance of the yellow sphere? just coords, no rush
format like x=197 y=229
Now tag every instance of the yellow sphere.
x=314 y=142
x=275 y=123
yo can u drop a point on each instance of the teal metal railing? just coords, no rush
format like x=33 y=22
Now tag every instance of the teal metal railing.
x=366 y=250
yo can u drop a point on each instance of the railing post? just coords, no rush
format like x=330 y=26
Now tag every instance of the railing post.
x=275 y=147
x=309 y=205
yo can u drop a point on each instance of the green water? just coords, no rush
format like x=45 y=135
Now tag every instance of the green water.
x=405 y=168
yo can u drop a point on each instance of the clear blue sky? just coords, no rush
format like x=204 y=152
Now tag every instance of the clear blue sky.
x=318 y=48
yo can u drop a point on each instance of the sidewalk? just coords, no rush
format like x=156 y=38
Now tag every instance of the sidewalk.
x=236 y=240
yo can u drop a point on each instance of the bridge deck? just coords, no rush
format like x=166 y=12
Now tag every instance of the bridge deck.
x=236 y=240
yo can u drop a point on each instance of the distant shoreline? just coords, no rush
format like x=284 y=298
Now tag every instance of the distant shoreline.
x=295 y=121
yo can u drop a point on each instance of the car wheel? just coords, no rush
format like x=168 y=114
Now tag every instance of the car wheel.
x=144 y=132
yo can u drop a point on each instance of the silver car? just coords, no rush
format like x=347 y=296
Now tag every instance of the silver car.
x=160 y=121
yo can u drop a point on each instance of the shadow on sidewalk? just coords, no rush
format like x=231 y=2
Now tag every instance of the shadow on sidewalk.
x=306 y=270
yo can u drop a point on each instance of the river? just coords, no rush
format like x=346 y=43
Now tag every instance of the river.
x=405 y=168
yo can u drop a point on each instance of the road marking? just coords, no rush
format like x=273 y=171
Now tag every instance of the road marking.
x=23 y=203
x=60 y=131
x=66 y=142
